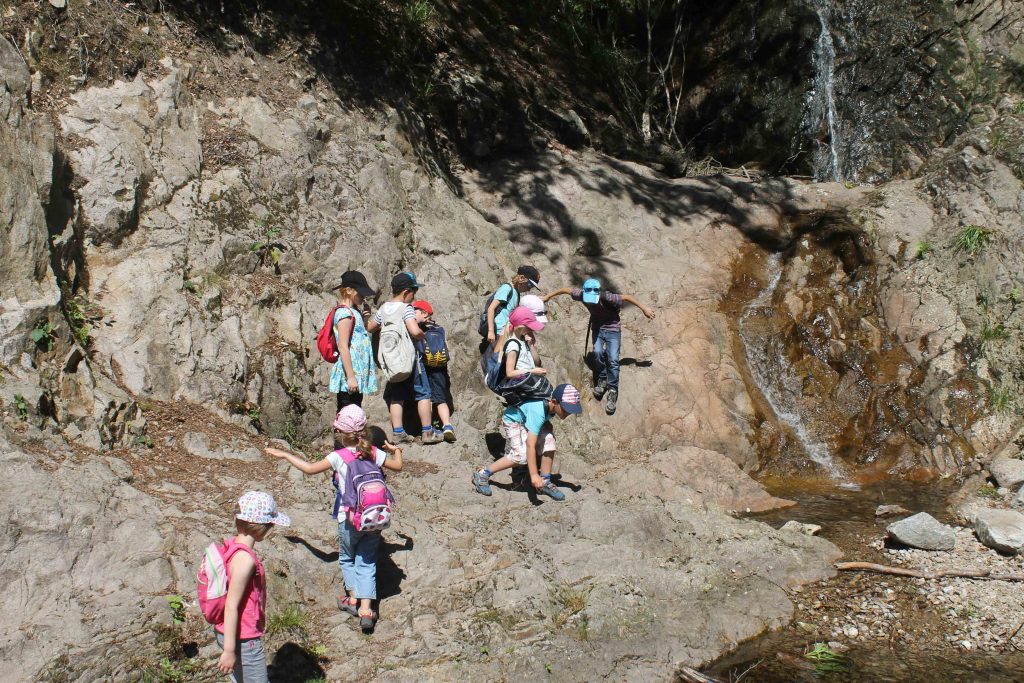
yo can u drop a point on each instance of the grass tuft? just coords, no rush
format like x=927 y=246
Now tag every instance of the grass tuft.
x=971 y=239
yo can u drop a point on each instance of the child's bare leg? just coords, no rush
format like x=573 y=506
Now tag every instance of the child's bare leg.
x=443 y=414
x=365 y=607
x=502 y=463
x=396 y=415
x=547 y=461
x=424 y=408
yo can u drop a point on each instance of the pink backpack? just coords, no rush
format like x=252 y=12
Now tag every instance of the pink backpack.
x=364 y=493
x=212 y=578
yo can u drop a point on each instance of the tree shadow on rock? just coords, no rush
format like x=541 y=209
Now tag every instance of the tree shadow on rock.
x=292 y=663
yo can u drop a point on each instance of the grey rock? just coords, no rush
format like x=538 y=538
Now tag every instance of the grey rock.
x=1001 y=530
x=1008 y=472
x=801 y=528
x=890 y=510
x=198 y=444
x=923 y=531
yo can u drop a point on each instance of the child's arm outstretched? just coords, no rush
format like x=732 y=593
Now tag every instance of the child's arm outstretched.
x=304 y=465
x=646 y=311
x=241 y=569
x=394 y=460
x=558 y=292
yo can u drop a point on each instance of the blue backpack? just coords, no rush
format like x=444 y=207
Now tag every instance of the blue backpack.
x=435 y=347
x=513 y=301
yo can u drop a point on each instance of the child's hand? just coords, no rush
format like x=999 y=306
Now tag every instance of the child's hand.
x=649 y=313
x=274 y=452
x=352 y=384
x=537 y=481
x=539 y=371
x=226 y=663
x=388 y=447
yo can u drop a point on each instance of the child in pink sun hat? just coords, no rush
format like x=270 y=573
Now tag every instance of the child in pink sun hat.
x=357 y=550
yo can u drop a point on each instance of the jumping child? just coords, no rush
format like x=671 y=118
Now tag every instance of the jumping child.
x=357 y=550
x=240 y=635
x=606 y=328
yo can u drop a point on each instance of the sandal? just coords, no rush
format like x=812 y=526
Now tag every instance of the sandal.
x=368 y=622
x=349 y=606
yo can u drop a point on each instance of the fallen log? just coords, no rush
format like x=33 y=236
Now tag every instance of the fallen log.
x=983 y=574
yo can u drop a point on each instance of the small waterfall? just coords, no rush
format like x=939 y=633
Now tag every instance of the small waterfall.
x=764 y=348
x=821 y=114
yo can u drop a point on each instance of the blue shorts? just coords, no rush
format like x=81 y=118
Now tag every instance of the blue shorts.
x=438 y=378
x=415 y=388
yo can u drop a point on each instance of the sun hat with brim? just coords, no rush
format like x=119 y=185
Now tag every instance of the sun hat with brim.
x=357 y=281
x=591 y=291
x=350 y=419
x=521 y=315
x=569 y=398
x=258 y=507
x=423 y=306
x=536 y=306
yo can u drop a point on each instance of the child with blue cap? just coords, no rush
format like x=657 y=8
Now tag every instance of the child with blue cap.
x=606 y=329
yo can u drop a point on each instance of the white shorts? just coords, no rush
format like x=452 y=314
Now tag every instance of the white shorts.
x=515 y=441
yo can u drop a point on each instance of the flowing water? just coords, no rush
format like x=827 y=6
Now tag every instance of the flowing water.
x=822 y=120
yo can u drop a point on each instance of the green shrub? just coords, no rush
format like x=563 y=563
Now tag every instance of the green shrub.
x=971 y=239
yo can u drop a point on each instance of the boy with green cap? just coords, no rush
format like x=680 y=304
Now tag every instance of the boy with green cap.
x=606 y=329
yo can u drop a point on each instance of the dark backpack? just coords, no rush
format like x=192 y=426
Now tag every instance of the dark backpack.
x=516 y=390
x=482 y=327
x=435 y=347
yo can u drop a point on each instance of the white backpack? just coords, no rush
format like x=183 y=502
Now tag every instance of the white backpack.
x=395 y=351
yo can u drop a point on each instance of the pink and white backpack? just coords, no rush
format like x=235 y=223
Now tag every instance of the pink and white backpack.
x=364 y=493
x=212 y=578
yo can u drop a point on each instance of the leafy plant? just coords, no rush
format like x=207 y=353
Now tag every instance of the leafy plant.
x=177 y=605
x=1013 y=296
x=147 y=441
x=572 y=600
x=583 y=629
x=826 y=660
x=169 y=671
x=190 y=286
x=995 y=332
x=77 y=320
x=1018 y=108
x=971 y=239
x=21 y=405
x=319 y=651
x=998 y=140
x=268 y=248
x=989 y=492
x=43 y=335
x=921 y=249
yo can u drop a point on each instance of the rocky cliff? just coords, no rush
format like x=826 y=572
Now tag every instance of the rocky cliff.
x=170 y=242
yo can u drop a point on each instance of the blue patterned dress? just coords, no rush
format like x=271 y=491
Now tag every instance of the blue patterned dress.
x=361 y=350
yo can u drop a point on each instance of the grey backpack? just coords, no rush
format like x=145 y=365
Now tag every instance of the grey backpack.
x=395 y=351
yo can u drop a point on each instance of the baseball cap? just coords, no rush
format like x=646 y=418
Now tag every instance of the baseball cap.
x=569 y=398
x=404 y=280
x=357 y=281
x=591 y=291
x=350 y=419
x=424 y=306
x=259 y=508
x=536 y=306
x=531 y=273
x=521 y=315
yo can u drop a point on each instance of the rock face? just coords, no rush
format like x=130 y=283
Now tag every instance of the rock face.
x=922 y=531
x=1002 y=530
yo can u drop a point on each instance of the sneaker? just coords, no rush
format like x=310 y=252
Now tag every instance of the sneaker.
x=481 y=483
x=430 y=437
x=613 y=396
x=549 y=490
x=404 y=437
x=448 y=434
x=599 y=390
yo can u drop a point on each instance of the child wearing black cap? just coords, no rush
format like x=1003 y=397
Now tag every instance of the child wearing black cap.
x=506 y=298
x=354 y=373
x=416 y=387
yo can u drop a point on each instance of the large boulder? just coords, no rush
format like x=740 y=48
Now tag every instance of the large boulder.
x=1001 y=530
x=1008 y=472
x=923 y=531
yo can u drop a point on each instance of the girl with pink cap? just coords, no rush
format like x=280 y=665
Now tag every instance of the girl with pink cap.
x=357 y=550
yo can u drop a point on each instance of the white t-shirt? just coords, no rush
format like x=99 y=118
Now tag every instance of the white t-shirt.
x=341 y=467
x=390 y=307
x=524 y=359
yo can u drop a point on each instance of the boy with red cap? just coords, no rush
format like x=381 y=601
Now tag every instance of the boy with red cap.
x=528 y=424
x=433 y=348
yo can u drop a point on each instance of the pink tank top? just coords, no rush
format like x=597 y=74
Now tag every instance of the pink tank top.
x=254 y=598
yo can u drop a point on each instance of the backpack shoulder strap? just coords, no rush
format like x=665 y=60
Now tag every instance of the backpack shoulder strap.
x=347 y=455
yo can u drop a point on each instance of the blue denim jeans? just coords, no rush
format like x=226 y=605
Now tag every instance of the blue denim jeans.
x=606 y=355
x=250 y=660
x=357 y=556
